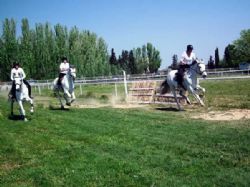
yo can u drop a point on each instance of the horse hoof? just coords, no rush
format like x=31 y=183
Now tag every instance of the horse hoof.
x=62 y=108
x=72 y=100
x=68 y=104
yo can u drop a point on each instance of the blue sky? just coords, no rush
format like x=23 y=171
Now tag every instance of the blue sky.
x=125 y=24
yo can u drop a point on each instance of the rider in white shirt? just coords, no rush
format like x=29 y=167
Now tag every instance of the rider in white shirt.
x=187 y=58
x=64 y=67
x=17 y=72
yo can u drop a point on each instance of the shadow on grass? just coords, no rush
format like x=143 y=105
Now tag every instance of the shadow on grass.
x=15 y=117
x=168 y=109
x=58 y=108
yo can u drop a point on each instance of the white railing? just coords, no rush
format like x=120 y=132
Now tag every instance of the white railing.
x=215 y=75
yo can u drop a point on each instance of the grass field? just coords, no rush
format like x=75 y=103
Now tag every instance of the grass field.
x=128 y=147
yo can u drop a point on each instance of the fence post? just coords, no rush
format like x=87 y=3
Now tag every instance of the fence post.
x=116 y=87
x=48 y=84
x=39 y=90
x=125 y=83
x=80 y=89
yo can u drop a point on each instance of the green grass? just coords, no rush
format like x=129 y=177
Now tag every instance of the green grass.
x=132 y=147
x=111 y=147
x=221 y=94
x=227 y=93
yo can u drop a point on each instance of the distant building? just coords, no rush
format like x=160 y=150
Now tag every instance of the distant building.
x=244 y=65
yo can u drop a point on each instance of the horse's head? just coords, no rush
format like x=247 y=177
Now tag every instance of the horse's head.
x=18 y=83
x=201 y=67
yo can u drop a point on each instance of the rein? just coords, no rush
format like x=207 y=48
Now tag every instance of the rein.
x=195 y=70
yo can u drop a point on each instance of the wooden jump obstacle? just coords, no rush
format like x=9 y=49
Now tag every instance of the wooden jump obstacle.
x=145 y=92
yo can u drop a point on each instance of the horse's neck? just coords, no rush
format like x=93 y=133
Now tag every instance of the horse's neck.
x=193 y=74
x=68 y=79
x=24 y=88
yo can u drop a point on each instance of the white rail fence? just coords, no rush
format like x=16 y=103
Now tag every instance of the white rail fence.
x=39 y=85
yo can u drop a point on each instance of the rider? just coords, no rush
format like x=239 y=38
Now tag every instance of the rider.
x=64 y=67
x=187 y=58
x=17 y=72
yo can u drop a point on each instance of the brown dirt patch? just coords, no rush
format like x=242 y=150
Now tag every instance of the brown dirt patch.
x=235 y=114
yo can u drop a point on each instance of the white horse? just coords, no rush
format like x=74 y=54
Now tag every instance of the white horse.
x=190 y=83
x=22 y=94
x=66 y=87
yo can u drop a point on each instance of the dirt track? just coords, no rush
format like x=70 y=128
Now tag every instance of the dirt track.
x=234 y=114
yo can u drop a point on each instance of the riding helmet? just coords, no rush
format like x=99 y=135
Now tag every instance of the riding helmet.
x=64 y=58
x=189 y=47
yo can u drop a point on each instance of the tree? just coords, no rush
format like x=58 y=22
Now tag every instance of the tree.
x=139 y=61
x=112 y=59
x=154 y=58
x=9 y=47
x=131 y=64
x=61 y=40
x=102 y=57
x=217 y=58
x=242 y=47
x=174 y=62
x=211 y=64
x=124 y=61
x=230 y=57
x=26 y=55
x=145 y=60
x=49 y=52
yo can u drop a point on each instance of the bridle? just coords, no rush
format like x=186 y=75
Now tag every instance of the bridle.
x=17 y=83
x=195 y=70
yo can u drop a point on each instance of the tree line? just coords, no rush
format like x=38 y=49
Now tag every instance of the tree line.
x=145 y=59
x=234 y=54
x=39 y=50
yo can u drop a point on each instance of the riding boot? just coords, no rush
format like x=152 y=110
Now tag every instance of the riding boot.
x=59 y=82
x=29 y=89
x=12 y=93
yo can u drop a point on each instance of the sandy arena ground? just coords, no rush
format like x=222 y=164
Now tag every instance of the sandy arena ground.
x=234 y=114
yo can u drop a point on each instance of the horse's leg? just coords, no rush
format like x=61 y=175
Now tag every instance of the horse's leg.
x=175 y=97
x=22 y=111
x=201 y=91
x=31 y=105
x=67 y=96
x=185 y=97
x=73 y=96
x=67 y=92
x=197 y=97
x=58 y=95
x=12 y=107
x=67 y=99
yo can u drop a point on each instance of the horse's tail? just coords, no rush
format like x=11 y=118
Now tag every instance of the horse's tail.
x=164 y=87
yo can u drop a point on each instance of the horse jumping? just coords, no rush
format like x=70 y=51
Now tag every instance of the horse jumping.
x=190 y=83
